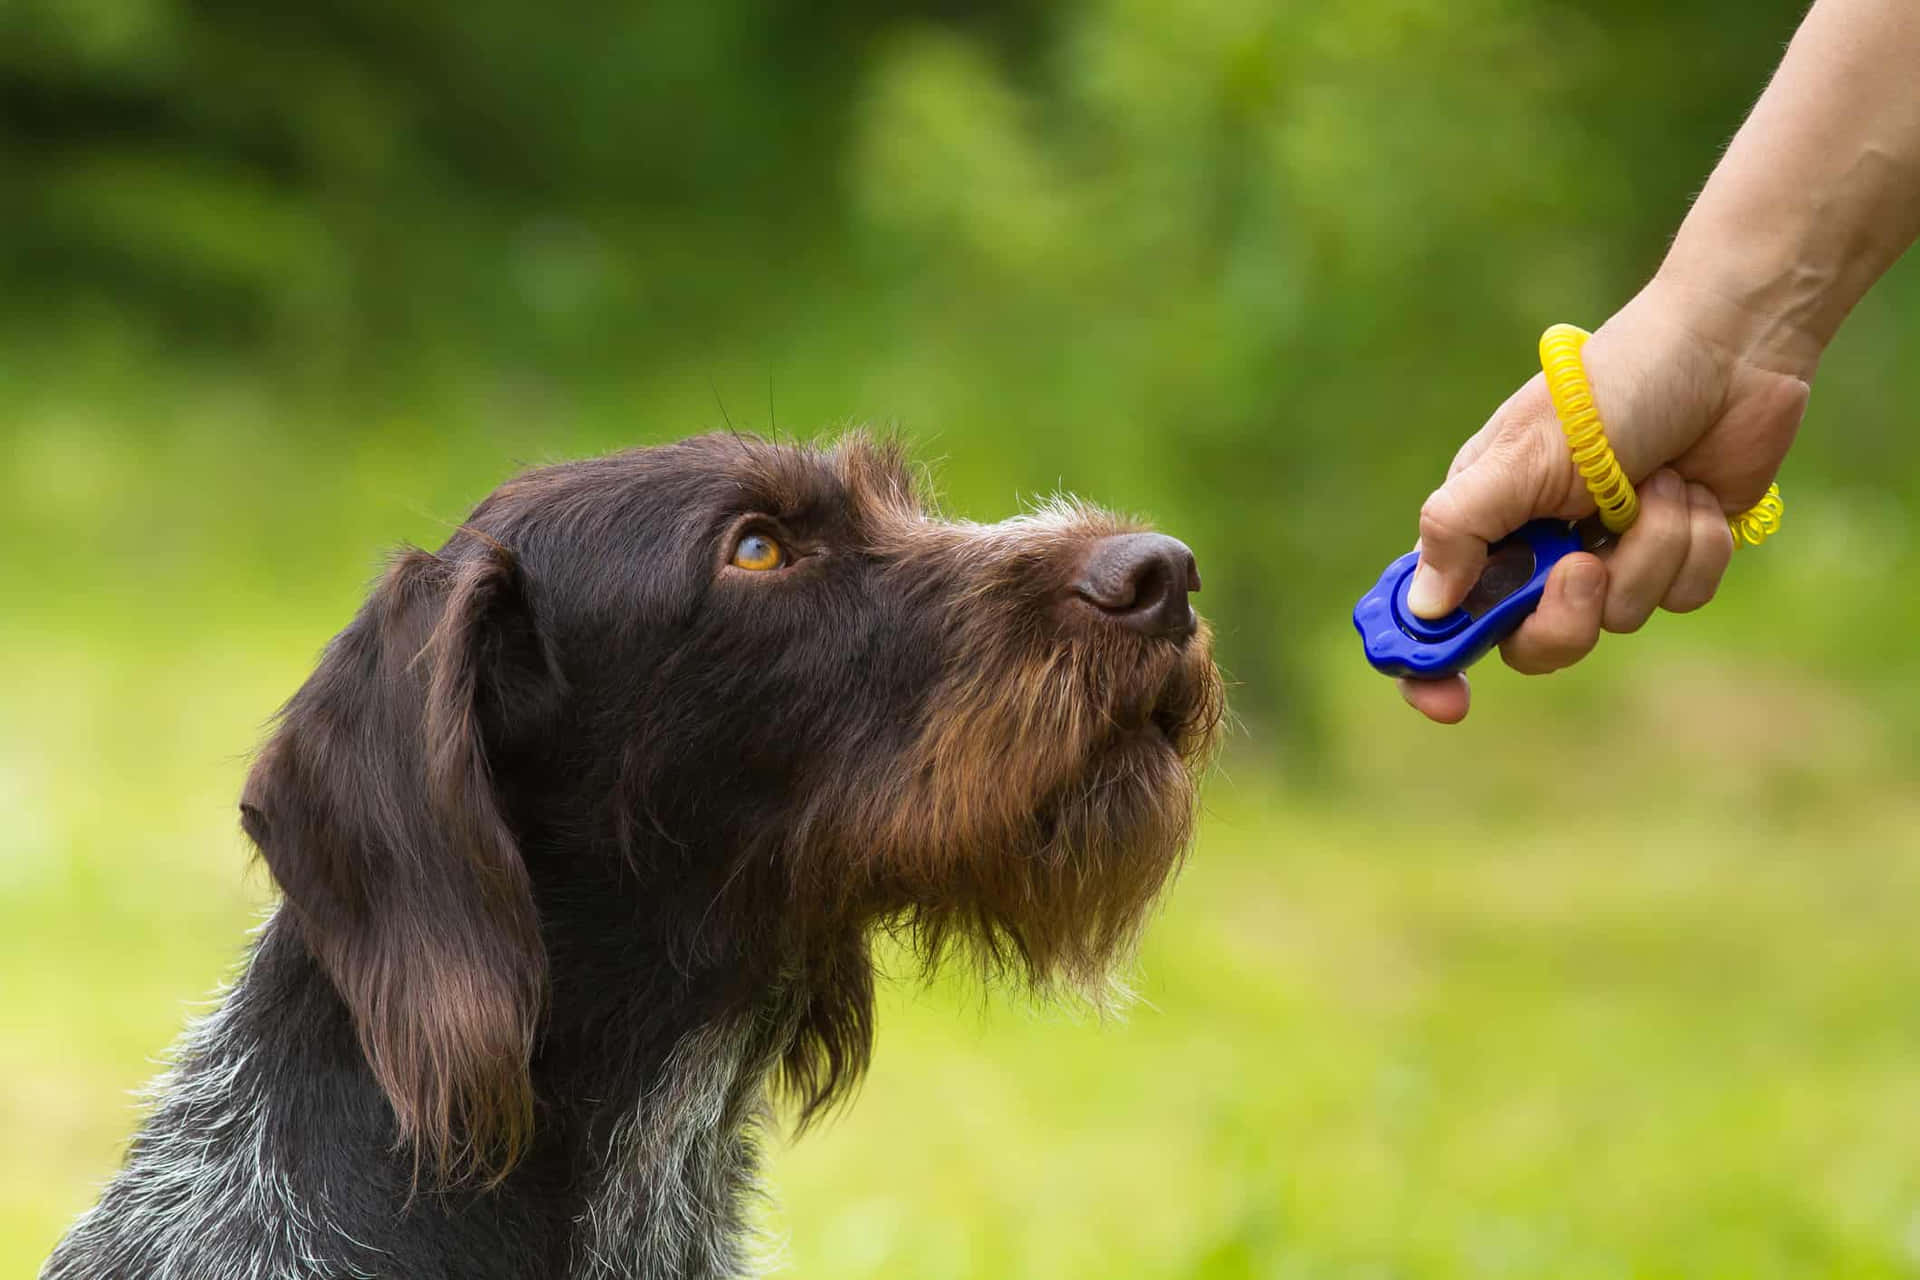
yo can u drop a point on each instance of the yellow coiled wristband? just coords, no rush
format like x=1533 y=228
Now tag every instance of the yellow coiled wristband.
x=1593 y=457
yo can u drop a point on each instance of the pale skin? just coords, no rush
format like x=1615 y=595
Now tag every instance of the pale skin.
x=1703 y=376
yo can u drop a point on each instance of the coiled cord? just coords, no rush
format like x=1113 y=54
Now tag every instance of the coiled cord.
x=1751 y=528
x=1593 y=457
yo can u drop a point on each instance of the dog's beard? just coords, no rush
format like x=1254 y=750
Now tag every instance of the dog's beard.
x=1041 y=800
x=1048 y=811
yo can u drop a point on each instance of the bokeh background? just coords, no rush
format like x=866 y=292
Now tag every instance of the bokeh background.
x=1617 y=980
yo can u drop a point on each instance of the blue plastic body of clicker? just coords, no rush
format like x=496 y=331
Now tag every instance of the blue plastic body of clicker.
x=1400 y=644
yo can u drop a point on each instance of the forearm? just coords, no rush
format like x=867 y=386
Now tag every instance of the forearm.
x=1818 y=193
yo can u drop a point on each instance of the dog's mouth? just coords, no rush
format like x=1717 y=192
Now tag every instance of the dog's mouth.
x=1162 y=717
x=1170 y=723
x=1178 y=704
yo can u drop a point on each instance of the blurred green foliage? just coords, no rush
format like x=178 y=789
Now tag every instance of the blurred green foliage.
x=280 y=287
x=1253 y=267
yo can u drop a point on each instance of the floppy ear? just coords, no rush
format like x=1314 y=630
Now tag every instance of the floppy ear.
x=375 y=809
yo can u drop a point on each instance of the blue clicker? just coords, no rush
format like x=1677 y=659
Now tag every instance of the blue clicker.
x=1400 y=644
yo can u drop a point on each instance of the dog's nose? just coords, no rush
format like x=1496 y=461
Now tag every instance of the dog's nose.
x=1141 y=581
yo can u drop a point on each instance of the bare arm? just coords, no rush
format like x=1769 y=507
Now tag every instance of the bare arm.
x=1819 y=192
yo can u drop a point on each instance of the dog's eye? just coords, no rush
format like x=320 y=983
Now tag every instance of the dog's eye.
x=757 y=551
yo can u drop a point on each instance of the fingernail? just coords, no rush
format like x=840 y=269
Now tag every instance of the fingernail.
x=1585 y=583
x=1668 y=484
x=1423 y=593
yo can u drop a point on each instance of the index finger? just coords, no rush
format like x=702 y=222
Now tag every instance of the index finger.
x=1508 y=471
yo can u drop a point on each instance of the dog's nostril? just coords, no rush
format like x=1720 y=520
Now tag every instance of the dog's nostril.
x=1141 y=581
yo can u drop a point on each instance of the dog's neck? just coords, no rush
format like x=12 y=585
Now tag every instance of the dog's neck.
x=271 y=1151
x=669 y=1195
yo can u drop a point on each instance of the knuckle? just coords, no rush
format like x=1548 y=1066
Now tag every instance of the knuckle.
x=1629 y=602
x=1687 y=598
x=1536 y=658
x=1533 y=454
x=1522 y=659
x=1631 y=597
x=1440 y=520
x=1536 y=444
x=1668 y=515
x=1695 y=589
x=1713 y=540
x=1547 y=644
x=1625 y=619
x=1675 y=529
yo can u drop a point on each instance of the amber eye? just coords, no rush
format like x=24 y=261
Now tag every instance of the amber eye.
x=757 y=551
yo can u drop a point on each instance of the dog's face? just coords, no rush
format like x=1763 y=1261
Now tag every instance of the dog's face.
x=767 y=680
x=992 y=723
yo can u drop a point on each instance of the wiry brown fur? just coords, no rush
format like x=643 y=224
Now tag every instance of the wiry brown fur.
x=1039 y=743
x=585 y=833
x=412 y=891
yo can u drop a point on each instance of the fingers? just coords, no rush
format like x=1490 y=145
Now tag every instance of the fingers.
x=1673 y=557
x=1643 y=568
x=1443 y=700
x=1566 y=626
x=1709 y=551
x=1495 y=487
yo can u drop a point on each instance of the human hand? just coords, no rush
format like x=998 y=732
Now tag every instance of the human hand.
x=1700 y=427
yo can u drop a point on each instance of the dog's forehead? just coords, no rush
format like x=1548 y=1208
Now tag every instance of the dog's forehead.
x=857 y=480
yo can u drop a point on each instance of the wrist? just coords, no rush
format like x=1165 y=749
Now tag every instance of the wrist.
x=1743 y=306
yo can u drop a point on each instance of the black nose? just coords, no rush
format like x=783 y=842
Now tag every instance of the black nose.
x=1141 y=580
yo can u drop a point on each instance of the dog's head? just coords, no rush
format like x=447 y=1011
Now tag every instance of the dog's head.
x=757 y=696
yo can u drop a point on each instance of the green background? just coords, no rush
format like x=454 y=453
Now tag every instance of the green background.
x=1616 y=980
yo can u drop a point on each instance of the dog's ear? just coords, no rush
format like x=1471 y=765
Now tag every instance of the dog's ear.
x=376 y=810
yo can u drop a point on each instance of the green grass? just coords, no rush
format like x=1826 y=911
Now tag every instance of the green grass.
x=1639 y=1049
x=1456 y=1005
x=1616 y=980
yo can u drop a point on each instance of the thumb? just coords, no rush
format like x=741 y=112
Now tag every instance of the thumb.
x=1502 y=488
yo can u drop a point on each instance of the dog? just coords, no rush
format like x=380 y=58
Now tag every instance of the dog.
x=585 y=826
